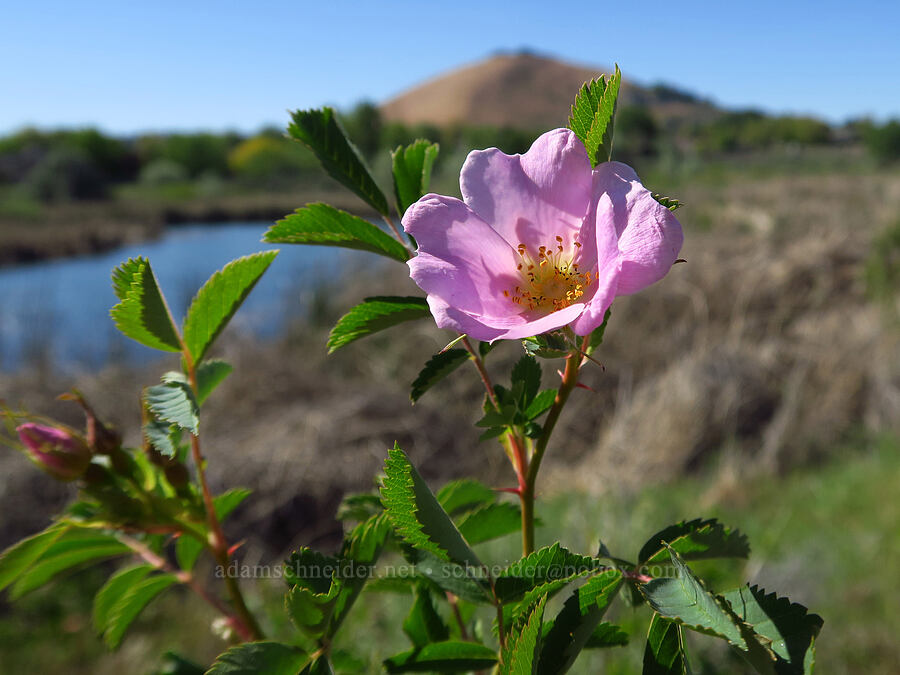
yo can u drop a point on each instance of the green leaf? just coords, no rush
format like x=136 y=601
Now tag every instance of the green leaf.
x=142 y=313
x=416 y=514
x=373 y=315
x=526 y=381
x=695 y=540
x=359 y=506
x=442 y=657
x=605 y=635
x=669 y=202
x=123 y=275
x=592 y=117
x=225 y=503
x=126 y=609
x=463 y=494
x=219 y=298
x=598 y=333
x=545 y=564
x=666 y=651
x=73 y=548
x=541 y=404
x=467 y=583
x=412 y=171
x=523 y=645
x=310 y=569
x=174 y=402
x=423 y=624
x=113 y=590
x=187 y=550
x=364 y=542
x=323 y=225
x=576 y=622
x=163 y=436
x=553 y=345
x=254 y=658
x=210 y=374
x=321 y=132
x=310 y=611
x=22 y=555
x=786 y=627
x=685 y=599
x=490 y=522
x=438 y=367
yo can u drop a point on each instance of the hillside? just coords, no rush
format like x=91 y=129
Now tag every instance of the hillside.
x=526 y=91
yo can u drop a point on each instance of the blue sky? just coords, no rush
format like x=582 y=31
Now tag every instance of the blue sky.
x=130 y=66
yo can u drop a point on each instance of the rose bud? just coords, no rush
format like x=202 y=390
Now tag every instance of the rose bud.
x=58 y=452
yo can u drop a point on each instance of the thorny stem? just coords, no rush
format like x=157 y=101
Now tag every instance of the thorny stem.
x=569 y=382
x=218 y=544
x=186 y=578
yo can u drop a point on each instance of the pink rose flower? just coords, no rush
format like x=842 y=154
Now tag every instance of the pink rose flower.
x=540 y=241
x=59 y=453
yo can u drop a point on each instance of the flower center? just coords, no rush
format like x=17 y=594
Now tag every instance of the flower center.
x=551 y=279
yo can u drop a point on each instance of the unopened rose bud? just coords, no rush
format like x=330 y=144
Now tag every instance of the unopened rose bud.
x=58 y=452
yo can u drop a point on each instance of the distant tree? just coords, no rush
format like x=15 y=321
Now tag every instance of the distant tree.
x=883 y=142
x=363 y=125
x=198 y=153
x=268 y=158
x=636 y=134
x=66 y=174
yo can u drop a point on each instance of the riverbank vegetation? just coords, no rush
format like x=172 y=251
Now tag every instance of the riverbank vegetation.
x=66 y=192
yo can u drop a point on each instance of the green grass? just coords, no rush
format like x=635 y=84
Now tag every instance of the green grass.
x=827 y=537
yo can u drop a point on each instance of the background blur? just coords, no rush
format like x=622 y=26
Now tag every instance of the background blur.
x=759 y=382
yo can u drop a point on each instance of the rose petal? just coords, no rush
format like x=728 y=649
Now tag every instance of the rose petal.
x=534 y=197
x=649 y=235
x=461 y=260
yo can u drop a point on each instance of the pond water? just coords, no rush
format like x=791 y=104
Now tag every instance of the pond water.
x=57 y=312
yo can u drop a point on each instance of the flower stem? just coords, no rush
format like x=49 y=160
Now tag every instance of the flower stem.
x=482 y=371
x=569 y=382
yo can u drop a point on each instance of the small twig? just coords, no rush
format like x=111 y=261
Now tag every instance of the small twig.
x=454 y=605
x=479 y=364
x=403 y=240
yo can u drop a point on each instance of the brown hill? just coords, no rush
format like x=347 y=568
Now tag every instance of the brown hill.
x=526 y=91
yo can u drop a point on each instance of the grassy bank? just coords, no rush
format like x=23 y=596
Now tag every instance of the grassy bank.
x=827 y=536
